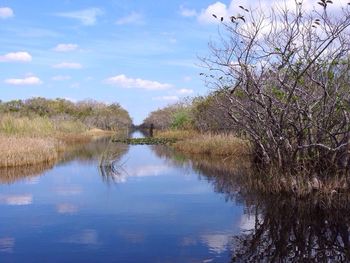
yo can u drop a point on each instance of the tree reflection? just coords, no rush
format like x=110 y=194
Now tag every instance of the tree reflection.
x=111 y=168
x=11 y=175
x=290 y=230
x=283 y=228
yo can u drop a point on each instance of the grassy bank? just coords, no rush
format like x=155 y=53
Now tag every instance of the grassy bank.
x=27 y=141
x=192 y=142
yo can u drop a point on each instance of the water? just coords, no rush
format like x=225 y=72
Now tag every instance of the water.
x=149 y=204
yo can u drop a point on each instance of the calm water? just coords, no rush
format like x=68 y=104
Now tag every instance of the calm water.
x=149 y=204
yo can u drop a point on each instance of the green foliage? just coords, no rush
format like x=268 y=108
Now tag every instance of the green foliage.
x=69 y=115
x=181 y=120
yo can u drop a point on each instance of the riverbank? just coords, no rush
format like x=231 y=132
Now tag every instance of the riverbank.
x=232 y=150
x=221 y=145
x=31 y=141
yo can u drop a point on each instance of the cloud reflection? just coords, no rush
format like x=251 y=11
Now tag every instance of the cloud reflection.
x=216 y=242
x=17 y=200
x=85 y=237
x=66 y=209
x=7 y=244
x=122 y=175
x=247 y=222
x=68 y=190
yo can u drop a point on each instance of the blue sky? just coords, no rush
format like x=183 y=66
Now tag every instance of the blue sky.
x=142 y=54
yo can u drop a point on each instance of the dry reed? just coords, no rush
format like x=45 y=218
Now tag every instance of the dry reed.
x=219 y=144
x=21 y=151
x=178 y=134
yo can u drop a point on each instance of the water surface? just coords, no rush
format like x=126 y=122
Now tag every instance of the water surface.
x=150 y=204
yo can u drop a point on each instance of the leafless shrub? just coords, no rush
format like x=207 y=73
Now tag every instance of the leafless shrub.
x=285 y=74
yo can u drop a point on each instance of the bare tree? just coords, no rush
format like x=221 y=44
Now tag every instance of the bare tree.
x=285 y=73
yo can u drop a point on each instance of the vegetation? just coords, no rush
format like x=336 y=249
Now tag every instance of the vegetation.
x=36 y=130
x=285 y=76
x=16 y=151
x=280 y=80
x=215 y=144
x=146 y=141
x=64 y=114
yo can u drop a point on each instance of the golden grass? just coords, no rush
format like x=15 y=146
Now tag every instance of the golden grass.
x=177 y=134
x=98 y=132
x=33 y=127
x=21 y=151
x=218 y=144
x=27 y=141
x=9 y=175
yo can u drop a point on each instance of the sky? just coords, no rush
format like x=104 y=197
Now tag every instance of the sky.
x=141 y=54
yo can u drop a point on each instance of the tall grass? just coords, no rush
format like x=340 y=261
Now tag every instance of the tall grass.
x=178 y=134
x=38 y=126
x=215 y=144
x=27 y=141
x=21 y=151
x=34 y=127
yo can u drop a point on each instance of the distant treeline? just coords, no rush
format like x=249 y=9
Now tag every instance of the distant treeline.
x=91 y=113
x=203 y=113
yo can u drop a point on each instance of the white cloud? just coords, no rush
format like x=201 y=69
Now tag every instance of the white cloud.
x=6 y=12
x=185 y=91
x=187 y=12
x=31 y=80
x=218 y=8
x=226 y=11
x=21 y=56
x=65 y=47
x=87 y=17
x=166 y=98
x=125 y=82
x=133 y=18
x=61 y=78
x=68 y=65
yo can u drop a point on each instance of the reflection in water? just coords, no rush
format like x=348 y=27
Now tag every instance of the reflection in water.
x=7 y=244
x=286 y=229
x=16 y=200
x=164 y=212
x=14 y=174
x=87 y=152
x=273 y=228
x=111 y=169
x=66 y=209
x=85 y=237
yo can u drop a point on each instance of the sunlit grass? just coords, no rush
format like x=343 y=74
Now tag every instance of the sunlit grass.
x=20 y=151
x=177 y=134
x=27 y=141
x=214 y=144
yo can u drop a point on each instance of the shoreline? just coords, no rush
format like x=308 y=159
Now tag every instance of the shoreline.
x=230 y=148
x=24 y=150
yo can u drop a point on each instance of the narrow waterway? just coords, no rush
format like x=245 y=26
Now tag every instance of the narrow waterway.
x=150 y=204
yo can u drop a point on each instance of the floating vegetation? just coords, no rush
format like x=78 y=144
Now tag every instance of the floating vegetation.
x=146 y=141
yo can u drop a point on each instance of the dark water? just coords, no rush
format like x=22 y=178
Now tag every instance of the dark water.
x=149 y=204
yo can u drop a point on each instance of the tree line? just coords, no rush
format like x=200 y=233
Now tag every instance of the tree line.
x=91 y=113
x=280 y=77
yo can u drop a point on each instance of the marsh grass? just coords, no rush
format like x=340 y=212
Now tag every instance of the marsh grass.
x=21 y=151
x=177 y=134
x=9 y=175
x=24 y=126
x=28 y=141
x=214 y=144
